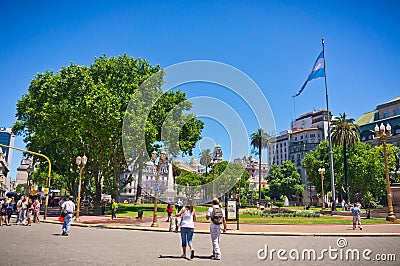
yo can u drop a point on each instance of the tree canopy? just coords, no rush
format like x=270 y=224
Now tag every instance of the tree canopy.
x=365 y=166
x=284 y=180
x=80 y=110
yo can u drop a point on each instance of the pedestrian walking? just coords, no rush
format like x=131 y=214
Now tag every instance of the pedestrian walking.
x=188 y=216
x=23 y=211
x=169 y=209
x=355 y=211
x=68 y=207
x=103 y=206
x=36 y=211
x=29 y=209
x=343 y=205
x=10 y=209
x=114 y=208
x=217 y=223
x=3 y=211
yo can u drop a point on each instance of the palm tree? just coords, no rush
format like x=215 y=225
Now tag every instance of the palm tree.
x=205 y=158
x=345 y=133
x=259 y=141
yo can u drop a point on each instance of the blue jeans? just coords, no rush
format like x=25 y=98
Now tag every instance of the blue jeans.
x=67 y=223
x=187 y=236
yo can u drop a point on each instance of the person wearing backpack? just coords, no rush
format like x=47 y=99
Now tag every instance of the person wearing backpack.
x=218 y=221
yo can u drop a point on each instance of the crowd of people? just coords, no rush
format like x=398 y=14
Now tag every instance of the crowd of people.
x=27 y=210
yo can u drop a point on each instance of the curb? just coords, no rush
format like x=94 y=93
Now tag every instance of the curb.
x=158 y=229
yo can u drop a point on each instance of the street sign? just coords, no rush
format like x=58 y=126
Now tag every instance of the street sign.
x=155 y=187
x=46 y=190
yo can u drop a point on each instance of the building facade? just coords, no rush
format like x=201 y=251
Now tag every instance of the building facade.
x=6 y=138
x=306 y=132
x=386 y=113
x=250 y=164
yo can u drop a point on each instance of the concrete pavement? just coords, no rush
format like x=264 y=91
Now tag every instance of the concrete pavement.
x=43 y=244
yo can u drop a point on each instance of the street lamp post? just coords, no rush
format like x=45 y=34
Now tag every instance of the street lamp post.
x=381 y=133
x=154 y=156
x=81 y=163
x=238 y=207
x=321 y=171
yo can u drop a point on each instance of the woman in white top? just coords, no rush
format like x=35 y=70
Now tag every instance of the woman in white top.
x=188 y=215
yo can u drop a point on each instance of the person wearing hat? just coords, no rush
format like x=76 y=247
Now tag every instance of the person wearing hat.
x=69 y=207
x=218 y=222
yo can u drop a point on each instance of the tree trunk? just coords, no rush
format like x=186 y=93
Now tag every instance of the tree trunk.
x=345 y=172
x=139 y=187
x=259 y=173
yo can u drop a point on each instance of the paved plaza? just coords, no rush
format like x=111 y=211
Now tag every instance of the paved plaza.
x=96 y=245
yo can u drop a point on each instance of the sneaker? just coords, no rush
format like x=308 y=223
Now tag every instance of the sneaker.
x=183 y=256
x=217 y=258
x=360 y=228
x=63 y=233
x=192 y=254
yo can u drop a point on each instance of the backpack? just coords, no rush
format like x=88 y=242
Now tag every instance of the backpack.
x=217 y=216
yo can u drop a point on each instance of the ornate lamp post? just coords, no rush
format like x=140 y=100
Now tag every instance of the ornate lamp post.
x=81 y=163
x=321 y=171
x=381 y=133
x=238 y=207
x=154 y=156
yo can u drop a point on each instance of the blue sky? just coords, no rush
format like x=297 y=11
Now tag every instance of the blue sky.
x=275 y=43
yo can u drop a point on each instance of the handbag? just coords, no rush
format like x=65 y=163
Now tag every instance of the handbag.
x=64 y=213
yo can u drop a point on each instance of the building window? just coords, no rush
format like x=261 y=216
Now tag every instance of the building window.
x=396 y=112
x=385 y=115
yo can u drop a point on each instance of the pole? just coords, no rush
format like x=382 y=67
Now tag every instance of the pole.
x=329 y=134
x=323 y=196
x=237 y=208
x=46 y=190
x=79 y=194
x=391 y=217
x=155 y=223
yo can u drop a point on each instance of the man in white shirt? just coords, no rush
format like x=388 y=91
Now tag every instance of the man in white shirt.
x=218 y=222
x=69 y=207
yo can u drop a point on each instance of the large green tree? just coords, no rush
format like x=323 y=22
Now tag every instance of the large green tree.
x=259 y=141
x=345 y=134
x=366 y=169
x=284 y=180
x=206 y=158
x=80 y=110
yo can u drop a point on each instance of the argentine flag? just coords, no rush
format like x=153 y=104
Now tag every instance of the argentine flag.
x=317 y=71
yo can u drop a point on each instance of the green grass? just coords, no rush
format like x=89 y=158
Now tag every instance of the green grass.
x=130 y=210
x=302 y=220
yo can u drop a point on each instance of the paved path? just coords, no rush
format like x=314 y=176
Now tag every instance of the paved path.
x=42 y=244
x=320 y=230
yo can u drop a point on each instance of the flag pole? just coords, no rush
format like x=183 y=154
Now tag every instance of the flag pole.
x=329 y=134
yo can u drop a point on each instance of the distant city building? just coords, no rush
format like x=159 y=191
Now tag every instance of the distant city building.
x=385 y=113
x=3 y=173
x=250 y=164
x=7 y=138
x=217 y=154
x=22 y=171
x=306 y=132
x=148 y=176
